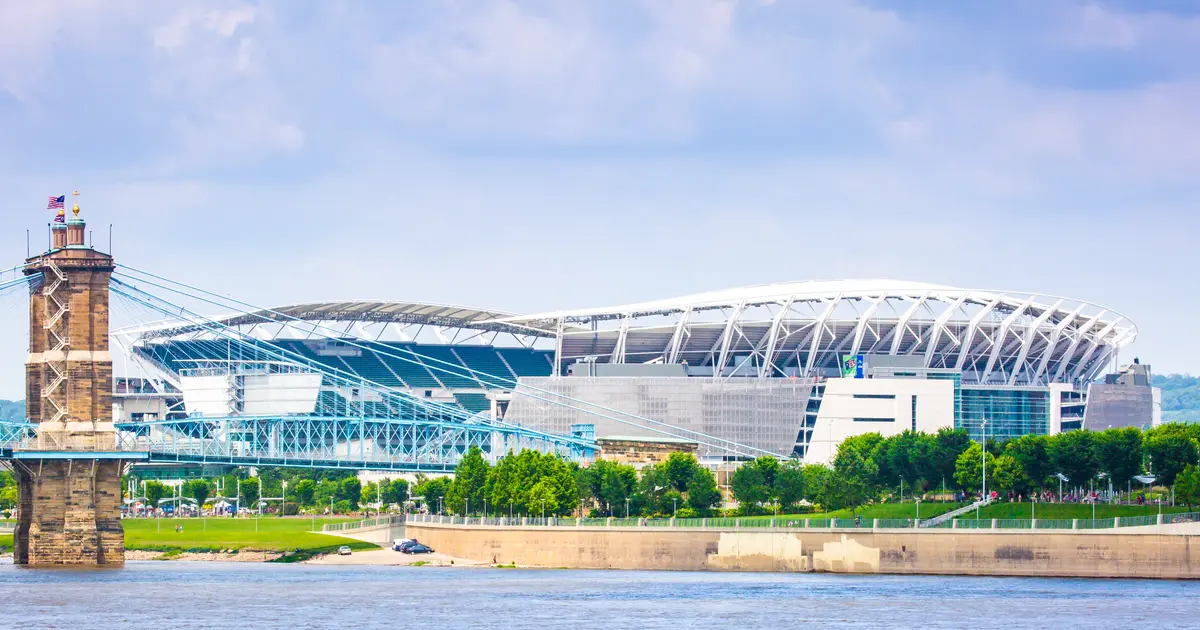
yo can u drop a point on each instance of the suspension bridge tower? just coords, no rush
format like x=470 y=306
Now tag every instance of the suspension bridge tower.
x=69 y=480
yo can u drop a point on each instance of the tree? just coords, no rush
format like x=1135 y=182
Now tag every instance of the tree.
x=851 y=482
x=155 y=491
x=871 y=447
x=1187 y=485
x=250 y=493
x=948 y=445
x=1170 y=448
x=968 y=470
x=702 y=492
x=8 y=497
x=816 y=482
x=652 y=491
x=304 y=491
x=396 y=491
x=433 y=492
x=753 y=482
x=369 y=493
x=1119 y=454
x=789 y=483
x=1029 y=452
x=543 y=499
x=1072 y=455
x=326 y=492
x=908 y=455
x=349 y=490
x=469 y=487
x=198 y=489
x=1006 y=475
x=680 y=468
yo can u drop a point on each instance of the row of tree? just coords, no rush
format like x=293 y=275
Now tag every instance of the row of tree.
x=871 y=467
x=306 y=489
x=532 y=483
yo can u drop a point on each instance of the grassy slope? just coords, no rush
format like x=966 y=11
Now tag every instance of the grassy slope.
x=274 y=534
x=884 y=510
x=6 y=541
x=999 y=510
x=1069 y=510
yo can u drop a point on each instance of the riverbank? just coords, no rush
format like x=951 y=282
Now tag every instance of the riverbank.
x=1051 y=553
x=218 y=536
x=388 y=557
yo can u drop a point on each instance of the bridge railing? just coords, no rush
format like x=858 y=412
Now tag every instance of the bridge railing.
x=795 y=523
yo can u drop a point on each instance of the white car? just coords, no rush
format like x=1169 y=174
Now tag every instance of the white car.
x=398 y=543
x=344 y=550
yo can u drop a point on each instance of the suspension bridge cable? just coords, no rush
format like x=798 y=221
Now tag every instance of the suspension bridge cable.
x=672 y=431
x=466 y=420
x=290 y=318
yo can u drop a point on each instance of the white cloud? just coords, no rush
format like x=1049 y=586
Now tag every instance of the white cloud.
x=179 y=30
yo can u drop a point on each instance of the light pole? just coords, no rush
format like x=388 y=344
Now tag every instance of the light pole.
x=283 y=502
x=675 y=506
x=984 y=458
x=626 y=508
x=543 y=511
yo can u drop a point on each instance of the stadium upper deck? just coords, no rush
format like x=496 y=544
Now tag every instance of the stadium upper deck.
x=798 y=329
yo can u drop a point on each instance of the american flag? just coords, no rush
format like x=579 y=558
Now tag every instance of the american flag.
x=56 y=202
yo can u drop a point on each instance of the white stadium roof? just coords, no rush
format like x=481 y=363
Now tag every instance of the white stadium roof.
x=783 y=329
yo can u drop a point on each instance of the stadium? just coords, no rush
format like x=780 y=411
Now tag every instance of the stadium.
x=790 y=369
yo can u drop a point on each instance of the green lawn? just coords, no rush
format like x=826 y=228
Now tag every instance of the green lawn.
x=1070 y=510
x=6 y=541
x=214 y=534
x=883 y=510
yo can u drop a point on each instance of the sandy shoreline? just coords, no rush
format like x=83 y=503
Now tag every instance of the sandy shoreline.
x=388 y=557
x=373 y=557
x=241 y=556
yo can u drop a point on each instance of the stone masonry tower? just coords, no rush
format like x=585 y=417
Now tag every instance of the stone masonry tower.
x=69 y=482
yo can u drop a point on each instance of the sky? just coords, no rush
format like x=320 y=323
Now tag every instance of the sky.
x=531 y=156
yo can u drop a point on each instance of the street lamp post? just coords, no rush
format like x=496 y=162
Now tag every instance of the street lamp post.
x=674 y=507
x=984 y=458
x=543 y=511
x=626 y=508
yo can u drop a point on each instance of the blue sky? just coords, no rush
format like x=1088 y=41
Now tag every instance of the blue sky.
x=535 y=155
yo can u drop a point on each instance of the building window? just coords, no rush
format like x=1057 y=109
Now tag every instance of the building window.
x=914 y=414
x=877 y=396
x=874 y=419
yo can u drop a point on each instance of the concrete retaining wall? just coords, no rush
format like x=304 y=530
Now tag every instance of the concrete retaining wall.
x=1068 y=554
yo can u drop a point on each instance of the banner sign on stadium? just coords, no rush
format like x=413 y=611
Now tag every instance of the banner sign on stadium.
x=852 y=366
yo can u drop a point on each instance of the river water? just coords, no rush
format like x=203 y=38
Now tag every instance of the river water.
x=216 y=595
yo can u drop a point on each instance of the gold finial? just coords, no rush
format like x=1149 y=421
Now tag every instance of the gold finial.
x=75 y=209
x=61 y=213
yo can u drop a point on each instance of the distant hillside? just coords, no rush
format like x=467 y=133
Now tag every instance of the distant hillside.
x=1180 y=397
x=12 y=409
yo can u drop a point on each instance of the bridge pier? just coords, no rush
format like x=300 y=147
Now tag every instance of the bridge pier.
x=69 y=479
x=69 y=513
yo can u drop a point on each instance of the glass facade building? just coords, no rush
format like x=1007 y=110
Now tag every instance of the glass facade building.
x=1010 y=412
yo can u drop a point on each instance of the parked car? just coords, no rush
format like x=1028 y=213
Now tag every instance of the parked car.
x=406 y=544
x=344 y=550
x=417 y=548
x=399 y=543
